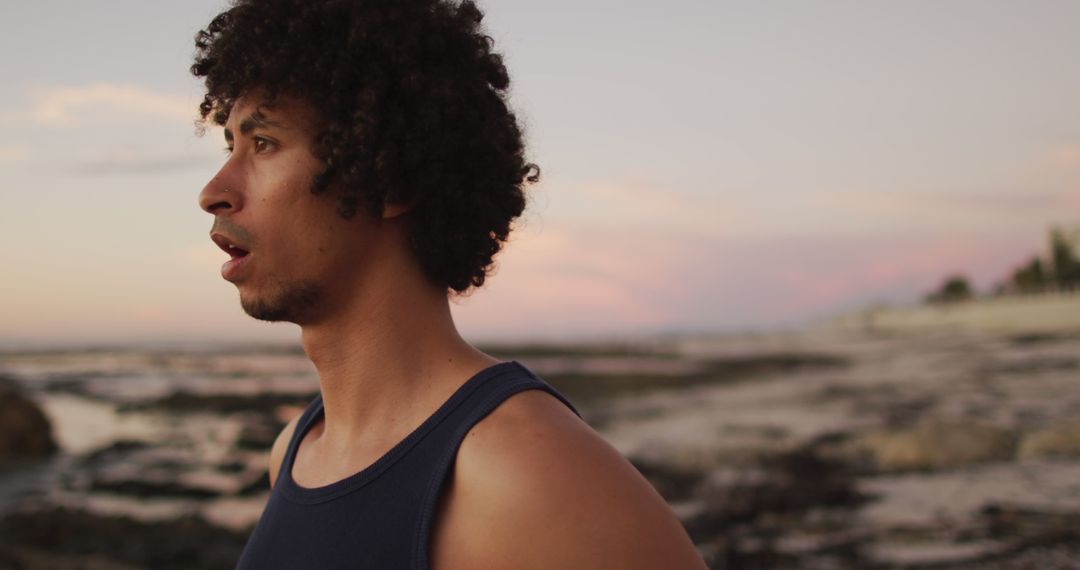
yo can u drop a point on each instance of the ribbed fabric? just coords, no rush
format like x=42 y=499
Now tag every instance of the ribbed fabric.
x=381 y=517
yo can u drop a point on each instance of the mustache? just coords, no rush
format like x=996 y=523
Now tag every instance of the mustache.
x=234 y=231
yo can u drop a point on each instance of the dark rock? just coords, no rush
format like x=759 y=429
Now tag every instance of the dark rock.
x=591 y=387
x=25 y=431
x=1035 y=365
x=258 y=435
x=1040 y=338
x=762 y=547
x=151 y=488
x=235 y=466
x=256 y=485
x=77 y=384
x=788 y=483
x=112 y=452
x=777 y=490
x=734 y=553
x=183 y=401
x=1011 y=522
x=762 y=364
x=673 y=484
x=132 y=468
x=11 y=560
x=59 y=534
x=750 y=511
x=1030 y=540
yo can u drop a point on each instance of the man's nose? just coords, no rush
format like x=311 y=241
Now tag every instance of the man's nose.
x=218 y=196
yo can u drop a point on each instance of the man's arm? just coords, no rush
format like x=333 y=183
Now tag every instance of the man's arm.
x=277 y=451
x=534 y=487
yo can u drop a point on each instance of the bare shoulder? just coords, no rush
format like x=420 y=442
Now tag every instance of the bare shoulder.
x=536 y=487
x=277 y=451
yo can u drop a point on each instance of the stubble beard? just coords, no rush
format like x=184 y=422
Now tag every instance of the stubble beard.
x=290 y=302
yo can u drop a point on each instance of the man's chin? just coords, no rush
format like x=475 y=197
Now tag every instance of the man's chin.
x=268 y=315
x=270 y=312
x=289 y=305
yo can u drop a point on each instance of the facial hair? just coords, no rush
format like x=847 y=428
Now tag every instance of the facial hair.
x=290 y=302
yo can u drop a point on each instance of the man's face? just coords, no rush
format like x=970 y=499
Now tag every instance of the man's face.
x=291 y=254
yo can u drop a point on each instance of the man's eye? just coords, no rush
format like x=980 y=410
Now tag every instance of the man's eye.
x=263 y=145
x=228 y=149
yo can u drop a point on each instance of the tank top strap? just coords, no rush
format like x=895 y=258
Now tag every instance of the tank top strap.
x=301 y=428
x=484 y=400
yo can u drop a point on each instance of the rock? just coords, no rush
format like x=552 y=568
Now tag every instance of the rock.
x=1057 y=441
x=745 y=505
x=258 y=435
x=789 y=484
x=58 y=537
x=1029 y=538
x=147 y=471
x=183 y=401
x=152 y=488
x=255 y=485
x=1036 y=365
x=232 y=466
x=112 y=452
x=590 y=388
x=25 y=431
x=933 y=445
x=672 y=483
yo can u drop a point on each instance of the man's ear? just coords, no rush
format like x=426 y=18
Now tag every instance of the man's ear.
x=393 y=210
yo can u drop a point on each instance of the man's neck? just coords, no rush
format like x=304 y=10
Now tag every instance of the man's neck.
x=386 y=361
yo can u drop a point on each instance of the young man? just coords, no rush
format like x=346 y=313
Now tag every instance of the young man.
x=374 y=169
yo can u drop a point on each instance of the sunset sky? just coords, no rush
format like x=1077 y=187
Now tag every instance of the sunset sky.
x=708 y=165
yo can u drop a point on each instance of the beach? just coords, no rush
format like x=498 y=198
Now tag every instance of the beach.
x=820 y=448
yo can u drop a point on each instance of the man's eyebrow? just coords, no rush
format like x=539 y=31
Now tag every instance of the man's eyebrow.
x=256 y=120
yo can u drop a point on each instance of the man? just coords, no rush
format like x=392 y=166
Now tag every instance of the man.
x=373 y=169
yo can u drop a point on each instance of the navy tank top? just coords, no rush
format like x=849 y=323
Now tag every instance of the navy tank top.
x=381 y=517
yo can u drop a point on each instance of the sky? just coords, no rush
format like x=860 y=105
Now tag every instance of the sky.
x=707 y=165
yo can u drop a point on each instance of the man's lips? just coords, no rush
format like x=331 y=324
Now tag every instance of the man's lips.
x=238 y=256
x=228 y=245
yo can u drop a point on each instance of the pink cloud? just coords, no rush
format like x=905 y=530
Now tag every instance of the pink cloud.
x=1062 y=157
x=572 y=279
x=63 y=105
x=645 y=204
x=1070 y=201
x=581 y=280
x=941 y=206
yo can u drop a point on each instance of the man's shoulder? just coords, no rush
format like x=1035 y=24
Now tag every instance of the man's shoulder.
x=534 y=447
x=531 y=414
x=530 y=439
x=534 y=485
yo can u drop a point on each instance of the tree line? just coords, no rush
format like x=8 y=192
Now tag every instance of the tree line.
x=1061 y=273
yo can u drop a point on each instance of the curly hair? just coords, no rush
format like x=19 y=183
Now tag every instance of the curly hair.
x=413 y=102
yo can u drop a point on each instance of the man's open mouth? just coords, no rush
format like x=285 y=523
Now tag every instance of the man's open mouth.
x=233 y=268
x=228 y=246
